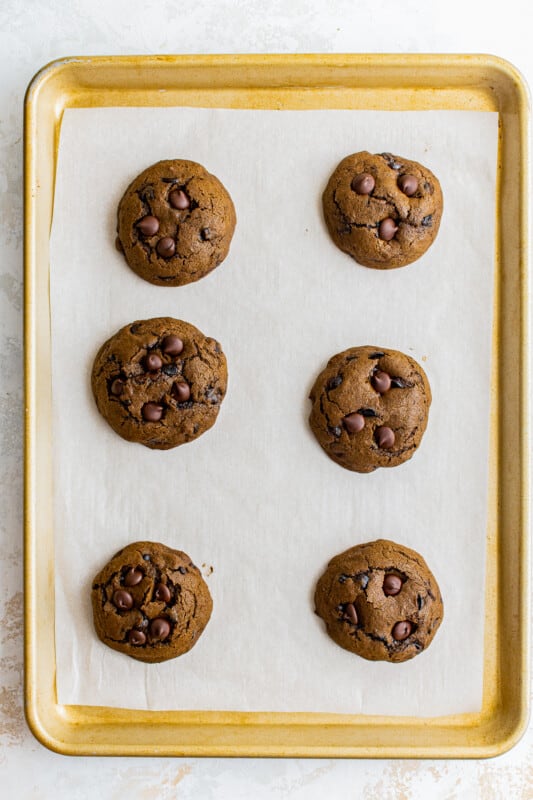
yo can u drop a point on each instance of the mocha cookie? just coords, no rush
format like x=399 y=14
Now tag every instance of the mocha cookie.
x=370 y=408
x=150 y=602
x=159 y=382
x=382 y=210
x=380 y=600
x=175 y=223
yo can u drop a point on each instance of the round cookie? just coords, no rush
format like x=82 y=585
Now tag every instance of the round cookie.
x=370 y=408
x=159 y=382
x=175 y=223
x=382 y=210
x=380 y=601
x=150 y=602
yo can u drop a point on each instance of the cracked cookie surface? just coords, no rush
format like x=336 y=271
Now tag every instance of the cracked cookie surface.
x=380 y=601
x=383 y=210
x=175 y=223
x=370 y=408
x=150 y=602
x=159 y=382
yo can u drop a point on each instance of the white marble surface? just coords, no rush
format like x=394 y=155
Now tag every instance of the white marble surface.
x=36 y=31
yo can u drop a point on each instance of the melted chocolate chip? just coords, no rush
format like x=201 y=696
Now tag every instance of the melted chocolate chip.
x=408 y=184
x=148 y=226
x=335 y=430
x=170 y=369
x=162 y=593
x=387 y=229
x=205 y=234
x=392 y=585
x=172 y=345
x=178 y=199
x=381 y=381
x=133 y=577
x=350 y=614
x=159 y=629
x=166 y=247
x=427 y=221
x=153 y=362
x=354 y=423
x=376 y=355
x=385 y=437
x=363 y=183
x=117 y=387
x=122 y=600
x=367 y=412
x=334 y=382
x=152 y=412
x=136 y=638
x=181 y=391
x=398 y=383
x=402 y=630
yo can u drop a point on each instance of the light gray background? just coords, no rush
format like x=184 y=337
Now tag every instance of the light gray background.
x=37 y=31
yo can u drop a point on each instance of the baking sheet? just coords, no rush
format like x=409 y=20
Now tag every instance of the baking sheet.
x=255 y=498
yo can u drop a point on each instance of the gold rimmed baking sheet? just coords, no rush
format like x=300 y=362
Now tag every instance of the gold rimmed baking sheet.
x=289 y=82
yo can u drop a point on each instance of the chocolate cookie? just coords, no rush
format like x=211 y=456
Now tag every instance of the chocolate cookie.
x=382 y=210
x=159 y=382
x=175 y=223
x=370 y=408
x=380 y=600
x=150 y=602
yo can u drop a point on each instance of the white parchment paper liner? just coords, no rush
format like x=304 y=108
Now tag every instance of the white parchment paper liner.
x=256 y=499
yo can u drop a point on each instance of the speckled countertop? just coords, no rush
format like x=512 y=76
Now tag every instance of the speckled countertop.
x=33 y=32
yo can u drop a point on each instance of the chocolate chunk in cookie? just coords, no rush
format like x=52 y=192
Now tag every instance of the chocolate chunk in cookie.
x=159 y=382
x=175 y=223
x=150 y=602
x=370 y=408
x=382 y=210
x=380 y=601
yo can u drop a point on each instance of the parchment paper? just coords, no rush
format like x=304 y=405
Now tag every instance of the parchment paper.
x=255 y=502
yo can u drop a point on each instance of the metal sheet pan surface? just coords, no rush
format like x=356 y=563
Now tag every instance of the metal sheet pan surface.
x=381 y=82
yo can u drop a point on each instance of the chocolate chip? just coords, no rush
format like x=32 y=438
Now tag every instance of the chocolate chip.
x=385 y=437
x=387 y=229
x=182 y=570
x=178 y=199
x=363 y=183
x=427 y=221
x=205 y=233
x=391 y=161
x=334 y=382
x=350 y=614
x=181 y=391
x=166 y=247
x=136 y=638
x=392 y=585
x=148 y=226
x=376 y=355
x=344 y=578
x=381 y=381
x=398 y=383
x=364 y=581
x=335 y=430
x=162 y=593
x=153 y=362
x=118 y=245
x=122 y=599
x=402 y=630
x=146 y=557
x=419 y=602
x=152 y=412
x=133 y=577
x=367 y=412
x=354 y=423
x=172 y=345
x=117 y=387
x=159 y=629
x=170 y=369
x=408 y=184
